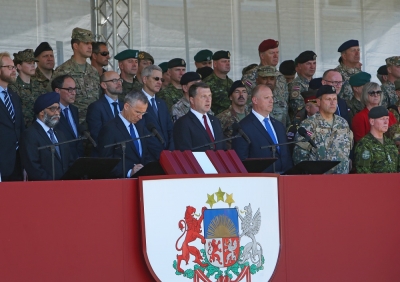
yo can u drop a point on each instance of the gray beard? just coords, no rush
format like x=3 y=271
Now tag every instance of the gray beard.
x=50 y=121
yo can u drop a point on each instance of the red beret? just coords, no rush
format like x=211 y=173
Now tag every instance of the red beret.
x=268 y=44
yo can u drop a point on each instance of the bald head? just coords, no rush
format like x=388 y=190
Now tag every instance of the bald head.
x=111 y=83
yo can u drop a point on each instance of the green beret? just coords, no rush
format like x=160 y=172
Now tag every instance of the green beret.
x=127 y=54
x=325 y=89
x=348 y=44
x=203 y=55
x=265 y=71
x=359 y=79
x=305 y=56
x=83 y=35
x=177 y=62
x=393 y=61
x=145 y=56
x=24 y=56
x=45 y=100
x=221 y=55
x=164 y=66
x=378 y=112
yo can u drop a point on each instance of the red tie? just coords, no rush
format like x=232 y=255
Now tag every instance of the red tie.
x=208 y=129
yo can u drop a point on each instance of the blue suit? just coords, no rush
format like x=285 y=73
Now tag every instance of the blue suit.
x=343 y=110
x=259 y=137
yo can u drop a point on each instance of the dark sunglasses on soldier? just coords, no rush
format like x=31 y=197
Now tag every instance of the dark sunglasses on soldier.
x=104 y=54
x=158 y=78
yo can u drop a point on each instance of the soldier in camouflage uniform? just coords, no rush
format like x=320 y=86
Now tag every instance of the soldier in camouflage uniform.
x=349 y=64
x=288 y=69
x=306 y=65
x=375 y=153
x=100 y=56
x=388 y=88
x=173 y=92
x=45 y=67
x=26 y=85
x=330 y=133
x=236 y=111
x=128 y=65
x=165 y=74
x=86 y=77
x=357 y=83
x=144 y=60
x=219 y=81
x=203 y=59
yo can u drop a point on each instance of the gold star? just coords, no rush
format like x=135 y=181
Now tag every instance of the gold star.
x=220 y=195
x=229 y=199
x=211 y=201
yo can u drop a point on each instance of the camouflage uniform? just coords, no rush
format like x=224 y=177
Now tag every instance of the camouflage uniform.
x=334 y=142
x=229 y=117
x=355 y=106
x=43 y=85
x=137 y=85
x=170 y=95
x=296 y=101
x=371 y=156
x=181 y=108
x=346 y=92
x=87 y=84
x=219 y=89
x=389 y=94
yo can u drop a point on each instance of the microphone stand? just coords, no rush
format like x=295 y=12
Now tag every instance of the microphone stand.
x=53 y=149
x=215 y=142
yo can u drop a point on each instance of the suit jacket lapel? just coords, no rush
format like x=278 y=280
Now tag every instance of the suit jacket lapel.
x=46 y=137
x=64 y=122
x=200 y=126
x=261 y=128
x=107 y=108
x=126 y=135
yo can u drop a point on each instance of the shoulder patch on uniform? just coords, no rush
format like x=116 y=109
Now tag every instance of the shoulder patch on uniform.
x=296 y=87
x=366 y=155
x=295 y=94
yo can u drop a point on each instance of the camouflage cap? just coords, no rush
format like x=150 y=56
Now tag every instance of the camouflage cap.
x=24 y=56
x=359 y=79
x=325 y=89
x=145 y=56
x=177 y=62
x=287 y=67
x=248 y=68
x=203 y=55
x=127 y=54
x=265 y=71
x=164 y=66
x=382 y=70
x=393 y=61
x=378 y=112
x=397 y=84
x=83 y=35
x=221 y=55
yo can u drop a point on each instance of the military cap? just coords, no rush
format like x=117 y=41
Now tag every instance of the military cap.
x=24 y=56
x=378 y=112
x=45 y=100
x=203 y=55
x=204 y=72
x=127 y=54
x=393 y=61
x=83 y=35
x=164 y=66
x=236 y=84
x=44 y=46
x=145 y=56
x=325 y=89
x=221 y=55
x=267 y=44
x=287 y=67
x=189 y=77
x=305 y=57
x=265 y=71
x=248 y=68
x=397 y=84
x=177 y=62
x=359 y=79
x=382 y=70
x=309 y=96
x=348 y=44
x=315 y=83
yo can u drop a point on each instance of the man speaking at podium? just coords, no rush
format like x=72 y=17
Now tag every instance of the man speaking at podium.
x=197 y=128
x=263 y=130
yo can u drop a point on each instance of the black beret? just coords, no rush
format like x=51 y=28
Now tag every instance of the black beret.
x=305 y=57
x=378 y=112
x=177 y=62
x=325 y=89
x=189 y=77
x=383 y=70
x=204 y=72
x=348 y=44
x=203 y=55
x=44 y=46
x=315 y=83
x=164 y=66
x=45 y=100
x=236 y=84
x=287 y=67
x=221 y=55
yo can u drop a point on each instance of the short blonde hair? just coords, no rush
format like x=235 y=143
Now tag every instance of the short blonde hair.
x=3 y=54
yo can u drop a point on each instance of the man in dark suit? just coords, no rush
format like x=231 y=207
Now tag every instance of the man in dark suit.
x=69 y=118
x=11 y=122
x=197 y=128
x=107 y=107
x=38 y=163
x=128 y=124
x=157 y=112
x=262 y=131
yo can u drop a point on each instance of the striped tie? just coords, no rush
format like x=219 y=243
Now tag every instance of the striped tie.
x=7 y=103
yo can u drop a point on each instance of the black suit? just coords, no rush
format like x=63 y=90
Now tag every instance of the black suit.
x=10 y=134
x=189 y=133
x=38 y=163
x=75 y=148
x=343 y=109
x=259 y=137
x=115 y=131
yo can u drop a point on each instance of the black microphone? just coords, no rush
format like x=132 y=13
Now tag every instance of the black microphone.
x=152 y=128
x=237 y=128
x=83 y=131
x=303 y=132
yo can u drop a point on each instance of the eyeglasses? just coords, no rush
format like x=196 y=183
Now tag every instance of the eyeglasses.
x=104 y=54
x=54 y=109
x=375 y=93
x=158 y=78
x=10 y=67
x=137 y=112
x=115 y=80
x=335 y=83
x=70 y=89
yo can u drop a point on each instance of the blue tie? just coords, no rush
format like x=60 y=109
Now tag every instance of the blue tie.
x=270 y=131
x=135 y=141
x=116 y=112
x=53 y=140
x=7 y=103
x=66 y=114
x=153 y=105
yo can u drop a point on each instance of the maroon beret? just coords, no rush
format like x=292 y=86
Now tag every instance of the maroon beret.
x=268 y=44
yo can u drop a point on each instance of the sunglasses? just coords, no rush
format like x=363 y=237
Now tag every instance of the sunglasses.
x=104 y=54
x=158 y=78
x=375 y=93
